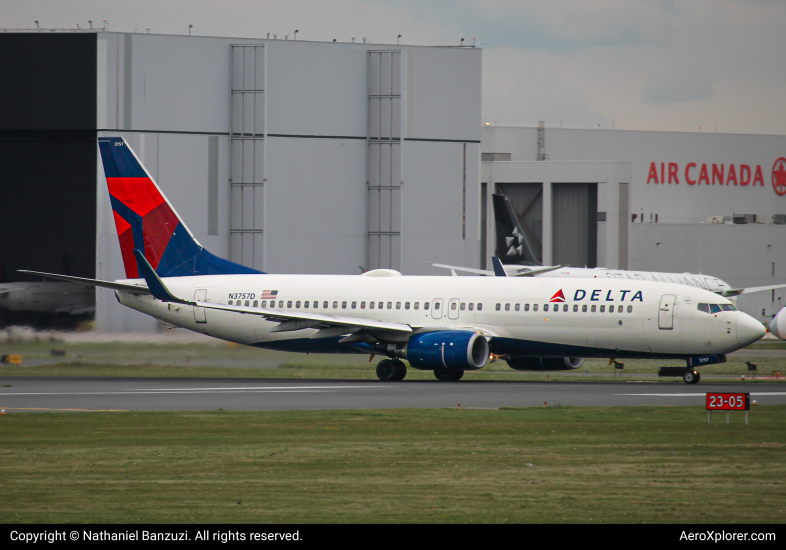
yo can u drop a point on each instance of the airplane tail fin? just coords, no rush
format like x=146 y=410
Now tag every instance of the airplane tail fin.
x=514 y=243
x=146 y=221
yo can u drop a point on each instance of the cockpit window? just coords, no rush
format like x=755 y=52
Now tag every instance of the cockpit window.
x=715 y=308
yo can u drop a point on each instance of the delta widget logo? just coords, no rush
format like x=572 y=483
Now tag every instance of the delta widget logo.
x=558 y=297
x=779 y=176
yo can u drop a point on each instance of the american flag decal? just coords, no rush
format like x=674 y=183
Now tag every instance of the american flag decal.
x=268 y=294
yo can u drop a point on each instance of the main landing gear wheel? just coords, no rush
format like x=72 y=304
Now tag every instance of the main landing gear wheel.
x=401 y=370
x=391 y=370
x=691 y=377
x=444 y=374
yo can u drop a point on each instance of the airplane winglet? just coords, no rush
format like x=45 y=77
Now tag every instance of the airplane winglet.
x=154 y=282
x=499 y=271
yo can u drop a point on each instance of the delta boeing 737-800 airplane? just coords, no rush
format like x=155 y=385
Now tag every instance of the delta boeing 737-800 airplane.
x=447 y=325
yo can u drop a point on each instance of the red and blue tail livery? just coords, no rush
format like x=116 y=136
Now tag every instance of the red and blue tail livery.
x=146 y=221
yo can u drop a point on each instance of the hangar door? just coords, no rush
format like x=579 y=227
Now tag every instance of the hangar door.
x=574 y=219
x=575 y=224
x=48 y=163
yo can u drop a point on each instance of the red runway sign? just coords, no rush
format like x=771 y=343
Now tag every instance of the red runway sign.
x=728 y=401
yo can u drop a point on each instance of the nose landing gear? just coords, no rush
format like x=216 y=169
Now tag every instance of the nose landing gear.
x=391 y=370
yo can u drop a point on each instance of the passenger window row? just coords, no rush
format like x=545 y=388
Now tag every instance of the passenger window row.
x=308 y=304
x=556 y=308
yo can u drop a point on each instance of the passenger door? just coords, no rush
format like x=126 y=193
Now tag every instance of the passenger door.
x=436 y=308
x=199 y=312
x=666 y=312
x=453 y=308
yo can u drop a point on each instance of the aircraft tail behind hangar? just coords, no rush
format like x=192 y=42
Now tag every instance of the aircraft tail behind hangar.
x=147 y=222
x=514 y=244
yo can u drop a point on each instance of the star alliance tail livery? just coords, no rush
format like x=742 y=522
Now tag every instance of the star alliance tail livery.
x=447 y=325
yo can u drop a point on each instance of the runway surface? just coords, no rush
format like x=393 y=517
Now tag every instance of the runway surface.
x=198 y=394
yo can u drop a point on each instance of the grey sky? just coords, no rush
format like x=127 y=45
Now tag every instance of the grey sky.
x=644 y=64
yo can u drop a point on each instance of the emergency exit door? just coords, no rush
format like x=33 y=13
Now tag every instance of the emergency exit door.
x=666 y=312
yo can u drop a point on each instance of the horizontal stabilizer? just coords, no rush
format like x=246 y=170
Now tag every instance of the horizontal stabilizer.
x=125 y=287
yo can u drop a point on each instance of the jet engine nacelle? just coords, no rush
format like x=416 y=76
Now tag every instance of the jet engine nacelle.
x=455 y=349
x=545 y=363
x=778 y=324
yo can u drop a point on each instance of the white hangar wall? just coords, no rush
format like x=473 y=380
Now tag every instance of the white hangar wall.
x=331 y=156
x=681 y=240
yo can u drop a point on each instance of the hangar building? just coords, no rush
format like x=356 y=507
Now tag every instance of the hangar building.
x=287 y=156
x=309 y=157
x=661 y=201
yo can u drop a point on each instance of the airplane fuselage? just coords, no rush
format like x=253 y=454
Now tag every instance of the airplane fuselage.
x=619 y=318
x=68 y=298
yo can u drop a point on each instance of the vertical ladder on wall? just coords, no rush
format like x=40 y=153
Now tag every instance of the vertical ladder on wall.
x=384 y=137
x=247 y=133
x=542 y=141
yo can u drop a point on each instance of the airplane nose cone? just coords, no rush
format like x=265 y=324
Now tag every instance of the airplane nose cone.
x=778 y=324
x=749 y=330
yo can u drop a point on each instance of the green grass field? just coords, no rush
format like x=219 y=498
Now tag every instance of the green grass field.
x=574 y=465
x=234 y=361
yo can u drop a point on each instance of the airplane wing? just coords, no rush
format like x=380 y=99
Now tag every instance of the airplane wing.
x=297 y=320
x=328 y=325
x=125 y=287
x=466 y=269
x=8 y=291
x=527 y=272
x=738 y=291
x=521 y=272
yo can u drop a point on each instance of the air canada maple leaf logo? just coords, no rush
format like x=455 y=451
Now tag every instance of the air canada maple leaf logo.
x=558 y=297
x=779 y=176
